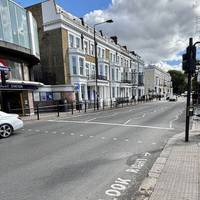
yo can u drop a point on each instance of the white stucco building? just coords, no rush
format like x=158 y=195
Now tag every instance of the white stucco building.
x=157 y=82
x=120 y=71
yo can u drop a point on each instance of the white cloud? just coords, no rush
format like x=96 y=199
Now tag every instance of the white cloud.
x=157 y=30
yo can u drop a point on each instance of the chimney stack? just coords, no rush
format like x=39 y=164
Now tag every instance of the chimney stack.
x=115 y=39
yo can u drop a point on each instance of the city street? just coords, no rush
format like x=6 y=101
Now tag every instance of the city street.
x=94 y=156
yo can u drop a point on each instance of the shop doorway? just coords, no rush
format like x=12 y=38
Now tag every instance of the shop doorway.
x=12 y=102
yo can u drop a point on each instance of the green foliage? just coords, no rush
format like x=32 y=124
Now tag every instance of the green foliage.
x=179 y=83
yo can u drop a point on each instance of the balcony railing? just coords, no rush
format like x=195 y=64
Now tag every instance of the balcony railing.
x=100 y=77
x=126 y=81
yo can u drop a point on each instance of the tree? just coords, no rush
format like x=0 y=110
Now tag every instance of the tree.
x=179 y=83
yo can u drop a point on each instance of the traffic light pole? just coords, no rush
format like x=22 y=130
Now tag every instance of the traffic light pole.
x=187 y=124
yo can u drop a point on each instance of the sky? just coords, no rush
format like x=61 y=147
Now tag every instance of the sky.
x=157 y=30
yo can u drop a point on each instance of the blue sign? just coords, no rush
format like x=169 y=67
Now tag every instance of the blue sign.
x=77 y=86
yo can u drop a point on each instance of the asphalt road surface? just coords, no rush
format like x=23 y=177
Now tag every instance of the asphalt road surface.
x=95 y=156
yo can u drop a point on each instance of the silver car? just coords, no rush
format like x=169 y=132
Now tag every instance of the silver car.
x=9 y=123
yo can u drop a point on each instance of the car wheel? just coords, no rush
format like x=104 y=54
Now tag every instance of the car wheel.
x=6 y=130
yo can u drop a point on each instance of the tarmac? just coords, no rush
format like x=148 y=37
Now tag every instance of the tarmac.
x=176 y=173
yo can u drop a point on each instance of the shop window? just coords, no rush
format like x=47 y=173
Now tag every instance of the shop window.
x=15 y=70
x=43 y=96
x=56 y=96
x=26 y=73
x=36 y=96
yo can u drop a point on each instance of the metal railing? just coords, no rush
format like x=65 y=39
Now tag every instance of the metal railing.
x=58 y=110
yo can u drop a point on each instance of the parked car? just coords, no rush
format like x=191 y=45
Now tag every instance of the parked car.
x=9 y=123
x=172 y=98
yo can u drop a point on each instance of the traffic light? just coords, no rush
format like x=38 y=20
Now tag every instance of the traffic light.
x=193 y=60
x=185 y=63
x=189 y=60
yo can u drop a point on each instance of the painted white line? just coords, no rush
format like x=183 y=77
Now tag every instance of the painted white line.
x=46 y=131
x=114 y=138
x=91 y=136
x=81 y=135
x=103 y=138
x=29 y=129
x=113 y=124
x=126 y=140
x=147 y=154
x=37 y=130
x=54 y=132
x=172 y=121
x=153 y=143
x=71 y=134
x=127 y=121
x=63 y=133
x=90 y=120
x=139 y=142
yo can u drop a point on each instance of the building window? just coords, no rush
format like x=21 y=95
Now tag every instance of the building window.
x=101 y=70
x=113 y=57
x=86 y=47
x=117 y=59
x=113 y=92
x=117 y=74
x=71 y=41
x=81 y=64
x=74 y=65
x=78 y=43
x=103 y=53
x=106 y=71
x=98 y=52
x=87 y=69
x=92 y=49
x=113 y=74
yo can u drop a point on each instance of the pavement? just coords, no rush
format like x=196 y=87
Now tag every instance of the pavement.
x=175 y=174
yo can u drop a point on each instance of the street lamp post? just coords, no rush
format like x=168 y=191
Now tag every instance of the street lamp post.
x=96 y=58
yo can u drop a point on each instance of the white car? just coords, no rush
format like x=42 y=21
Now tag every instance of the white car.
x=9 y=123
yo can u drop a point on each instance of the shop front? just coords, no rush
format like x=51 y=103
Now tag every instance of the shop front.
x=16 y=96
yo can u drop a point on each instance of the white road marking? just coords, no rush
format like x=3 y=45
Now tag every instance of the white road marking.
x=114 y=138
x=63 y=133
x=71 y=133
x=81 y=135
x=126 y=140
x=139 y=141
x=54 y=132
x=37 y=130
x=29 y=129
x=153 y=143
x=112 y=124
x=127 y=121
x=46 y=131
x=22 y=129
x=103 y=138
x=90 y=120
x=91 y=136
x=172 y=121
x=147 y=154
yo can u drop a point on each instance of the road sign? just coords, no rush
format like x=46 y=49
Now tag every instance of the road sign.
x=77 y=86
